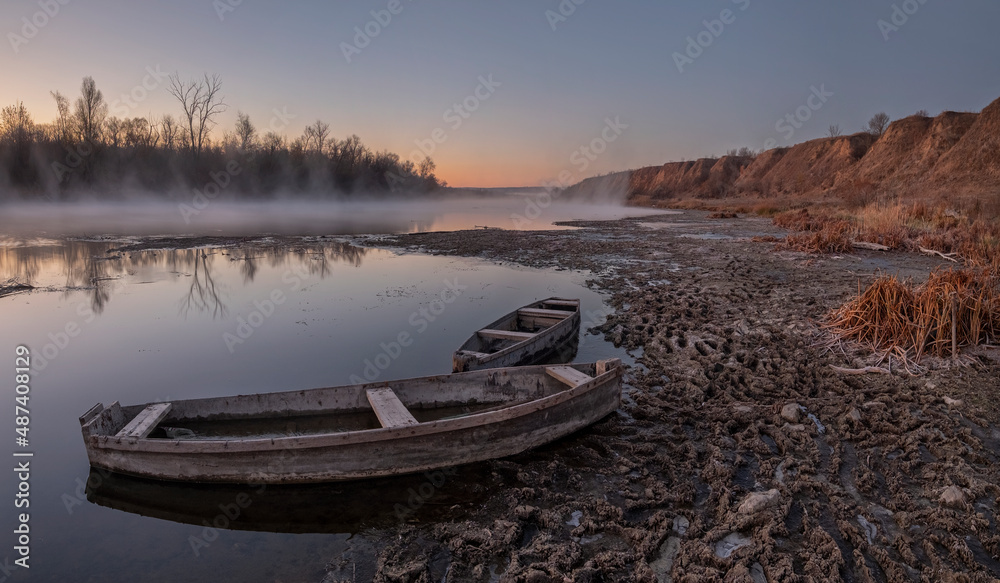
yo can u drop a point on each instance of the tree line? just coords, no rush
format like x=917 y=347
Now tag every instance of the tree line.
x=86 y=150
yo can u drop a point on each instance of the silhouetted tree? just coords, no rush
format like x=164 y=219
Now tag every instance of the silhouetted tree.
x=834 y=131
x=168 y=132
x=878 y=124
x=246 y=134
x=91 y=110
x=64 y=120
x=201 y=102
x=314 y=137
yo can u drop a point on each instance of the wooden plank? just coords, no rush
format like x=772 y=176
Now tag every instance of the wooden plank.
x=145 y=421
x=506 y=334
x=91 y=413
x=544 y=313
x=390 y=410
x=568 y=375
x=567 y=303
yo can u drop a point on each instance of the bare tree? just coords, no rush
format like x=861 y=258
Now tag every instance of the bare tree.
x=923 y=113
x=878 y=124
x=246 y=134
x=315 y=136
x=169 y=131
x=427 y=168
x=64 y=122
x=91 y=110
x=114 y=130
x=273 y=142
x=201 y=102
x=835 y=130
x=16 y=125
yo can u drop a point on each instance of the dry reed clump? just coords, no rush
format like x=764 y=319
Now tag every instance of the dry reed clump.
x=723 y=215
x=953 y=309
x=800 y=220
x=832 y=237
x=908 y=226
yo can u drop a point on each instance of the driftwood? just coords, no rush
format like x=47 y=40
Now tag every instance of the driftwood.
x=861 y=371
x=871 y=246
x=949 y=256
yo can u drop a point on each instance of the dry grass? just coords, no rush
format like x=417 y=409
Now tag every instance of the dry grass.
x=831 y=237
x=973 y=234
x=723 y=215
x=953 y=309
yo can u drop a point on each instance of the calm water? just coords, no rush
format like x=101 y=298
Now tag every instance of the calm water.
x=162 y=325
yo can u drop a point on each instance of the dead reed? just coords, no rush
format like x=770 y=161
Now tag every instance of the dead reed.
x=953 y=309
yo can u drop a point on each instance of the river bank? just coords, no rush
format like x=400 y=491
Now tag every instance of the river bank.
x=741 y=451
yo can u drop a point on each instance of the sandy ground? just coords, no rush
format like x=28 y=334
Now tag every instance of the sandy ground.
x=739 y=453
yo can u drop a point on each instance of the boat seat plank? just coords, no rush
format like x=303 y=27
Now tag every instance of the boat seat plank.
x=145 y=421
x=567 y=303
x=389 y=409
x=506 y=334
x=544 y=313
x=568 y=375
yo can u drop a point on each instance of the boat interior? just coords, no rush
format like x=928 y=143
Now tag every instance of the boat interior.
x=523 y=325
x=341 y=409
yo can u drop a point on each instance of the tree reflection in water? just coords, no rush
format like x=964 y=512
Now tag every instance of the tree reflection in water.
x=97 y=267
x=203 y=294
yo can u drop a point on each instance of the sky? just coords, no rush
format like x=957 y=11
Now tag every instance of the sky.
x=519 y=92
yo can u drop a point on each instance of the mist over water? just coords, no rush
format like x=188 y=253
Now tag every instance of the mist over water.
x=525 y=211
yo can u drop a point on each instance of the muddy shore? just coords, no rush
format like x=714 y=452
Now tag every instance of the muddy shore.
x=739 y=453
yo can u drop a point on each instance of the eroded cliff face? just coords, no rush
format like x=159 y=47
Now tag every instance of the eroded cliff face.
x=974 y=161
x=953 y=152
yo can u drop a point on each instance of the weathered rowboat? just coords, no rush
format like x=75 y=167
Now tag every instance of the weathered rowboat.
x=527 y=335
x=353 y=432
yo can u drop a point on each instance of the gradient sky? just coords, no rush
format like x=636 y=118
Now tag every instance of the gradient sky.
x=556 y=87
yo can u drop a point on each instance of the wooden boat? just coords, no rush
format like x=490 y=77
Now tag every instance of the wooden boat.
x=527 y=335
x=353 y=432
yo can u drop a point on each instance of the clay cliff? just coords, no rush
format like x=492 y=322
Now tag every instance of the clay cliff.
x=953 y=153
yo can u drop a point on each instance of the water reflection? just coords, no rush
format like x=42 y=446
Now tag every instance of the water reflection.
x=203 y=294
x=348 y=507
x=95 y=267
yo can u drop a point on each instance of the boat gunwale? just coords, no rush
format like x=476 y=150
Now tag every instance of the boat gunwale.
x=300 y=442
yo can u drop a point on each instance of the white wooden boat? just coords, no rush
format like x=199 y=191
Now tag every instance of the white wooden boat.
x=352 y=432
x=527 y=335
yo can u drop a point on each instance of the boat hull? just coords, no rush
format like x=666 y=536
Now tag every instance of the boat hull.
x=370 y=453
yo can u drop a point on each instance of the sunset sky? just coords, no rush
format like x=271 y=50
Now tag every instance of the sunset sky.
x=549 y=74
